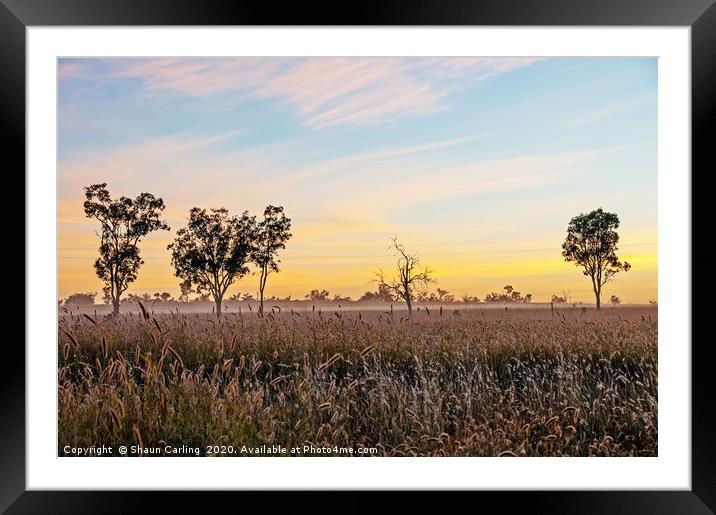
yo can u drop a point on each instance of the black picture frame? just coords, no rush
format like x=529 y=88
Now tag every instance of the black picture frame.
x=17 y=15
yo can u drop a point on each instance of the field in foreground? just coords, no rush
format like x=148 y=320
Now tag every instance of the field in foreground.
x=467 y=383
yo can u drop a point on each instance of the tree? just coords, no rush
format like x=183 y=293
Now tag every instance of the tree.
x=439 y=295
x=238 y=297
x=510 y=295
x=80 y=299
x=271 y=236
x=493 y=297
x=124 y=222
x=591 y=243
x=384 y=294
x=614 y=300
x=410 y=275
x=445 y=296
x=318 y=295
x=213 y=251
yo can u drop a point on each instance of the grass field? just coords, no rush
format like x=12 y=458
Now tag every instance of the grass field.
x=470 y=382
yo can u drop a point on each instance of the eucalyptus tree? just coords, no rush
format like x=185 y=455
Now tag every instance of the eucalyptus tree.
x=213 y=251
x=591 y=244
x=124 y=222
x=272 y=233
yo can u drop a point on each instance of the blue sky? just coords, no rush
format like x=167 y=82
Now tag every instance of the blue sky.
x=477 y=164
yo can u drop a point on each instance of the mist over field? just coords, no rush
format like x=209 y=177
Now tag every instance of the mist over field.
x=338 y=307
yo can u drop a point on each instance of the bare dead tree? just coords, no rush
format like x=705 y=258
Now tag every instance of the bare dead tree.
x=410 y=274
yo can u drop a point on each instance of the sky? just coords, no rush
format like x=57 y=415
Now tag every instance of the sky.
x=476 y=164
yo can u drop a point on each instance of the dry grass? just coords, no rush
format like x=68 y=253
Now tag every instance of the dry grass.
x=469 y=383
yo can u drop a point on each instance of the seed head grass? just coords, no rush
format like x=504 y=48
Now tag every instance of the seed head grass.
x=484 y=383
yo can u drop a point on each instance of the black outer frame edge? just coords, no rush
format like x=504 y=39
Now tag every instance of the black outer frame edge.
x=550 y=502
x=701 y=14
x=12 y=256
x=703 y=123
x=368 y=12
x=572 y=502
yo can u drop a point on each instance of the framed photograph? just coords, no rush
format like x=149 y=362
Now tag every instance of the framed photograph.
x=449 y=248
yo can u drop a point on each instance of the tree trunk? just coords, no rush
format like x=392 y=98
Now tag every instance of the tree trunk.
x=218 y=300
x=410 y=305
x=262 y=286
x=597 y=294
x=115 y=306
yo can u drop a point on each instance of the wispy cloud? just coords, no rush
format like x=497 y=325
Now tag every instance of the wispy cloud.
x=323 y=92
x=197 y=77
x=412 y=183
x=610 y=111
x=66 y=70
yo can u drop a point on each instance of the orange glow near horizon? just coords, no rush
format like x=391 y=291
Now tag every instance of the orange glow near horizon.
x=346 y=266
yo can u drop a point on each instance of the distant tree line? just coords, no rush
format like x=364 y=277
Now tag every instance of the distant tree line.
x=381 y=295
x=510 y=295
x=79 y=299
